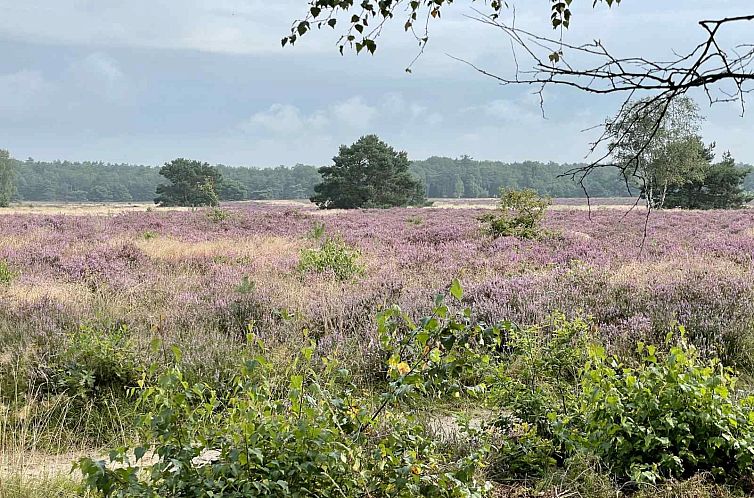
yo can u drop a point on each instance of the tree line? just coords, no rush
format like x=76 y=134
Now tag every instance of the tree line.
x=442 y=177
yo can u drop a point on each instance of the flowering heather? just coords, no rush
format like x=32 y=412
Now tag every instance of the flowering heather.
x=177 y=274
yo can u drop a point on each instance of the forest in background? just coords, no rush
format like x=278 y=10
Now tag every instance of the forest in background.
x=443 y=178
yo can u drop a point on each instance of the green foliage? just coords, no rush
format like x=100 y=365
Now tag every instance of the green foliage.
x=522 y=451
x=192 y=183
x=218 y=215
x=149 y=235
x=6 y=273
x=659 y=145
x=360 y=37
x=673 y=415
x=451 y=354
x=369 y=173
x=332 y=256
x=520 y=214
x=720 y=186
x=312 y=436
x=94 y=362
x=318 y=231
x=7 y=178
x=540 y=374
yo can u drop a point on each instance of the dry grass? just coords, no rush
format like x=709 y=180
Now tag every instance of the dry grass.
x=643 y=273
x=83 y=208
x=248 y=248
x=66 y=293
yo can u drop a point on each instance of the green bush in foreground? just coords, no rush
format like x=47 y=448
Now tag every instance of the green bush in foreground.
x=673 y=415
x=313 y=437
x=95 y=361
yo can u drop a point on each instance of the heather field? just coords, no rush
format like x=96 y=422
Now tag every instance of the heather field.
x=89 y=302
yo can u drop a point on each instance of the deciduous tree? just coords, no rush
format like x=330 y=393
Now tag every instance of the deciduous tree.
x=7 y=178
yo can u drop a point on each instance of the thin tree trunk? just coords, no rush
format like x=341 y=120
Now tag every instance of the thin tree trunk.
x=664 y=193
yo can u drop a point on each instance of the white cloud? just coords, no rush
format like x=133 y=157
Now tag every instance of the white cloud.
x=284 y=119
x=23 y=92
x=280 y=119
x=354 y=113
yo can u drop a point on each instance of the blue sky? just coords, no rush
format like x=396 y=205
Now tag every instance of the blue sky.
x=145 y=81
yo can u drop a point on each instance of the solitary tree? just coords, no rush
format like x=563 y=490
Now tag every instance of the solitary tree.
x=368 y=173
x=192 y=183
x=7 y=178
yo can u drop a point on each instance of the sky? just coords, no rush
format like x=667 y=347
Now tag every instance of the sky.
x=146 y=81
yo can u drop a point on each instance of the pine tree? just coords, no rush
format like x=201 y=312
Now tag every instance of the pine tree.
x=369 y=173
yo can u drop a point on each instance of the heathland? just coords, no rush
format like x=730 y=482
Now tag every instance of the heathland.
x=96 y=305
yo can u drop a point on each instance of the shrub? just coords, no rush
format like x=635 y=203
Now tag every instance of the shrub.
x=673 y=415
x=334 y=256
x=451 y=354
x=522 y=452
x=313 y=437
x=218 y=215
x=94 y=362
x=6 y=273
x=519 y=214
x=540 y=376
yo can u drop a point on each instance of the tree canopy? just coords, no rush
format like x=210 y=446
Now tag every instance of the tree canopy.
x=661 y=152
x=192 y=183
x=719 y=186
x=7 y=176
x=368 y=173
x=443 y=177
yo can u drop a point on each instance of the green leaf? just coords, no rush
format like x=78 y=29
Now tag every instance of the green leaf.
x=456 y=290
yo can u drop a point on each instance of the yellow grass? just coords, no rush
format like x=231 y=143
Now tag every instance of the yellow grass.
x=62 y=292
x=645 y=273
x=90 y=208
x=249 y=248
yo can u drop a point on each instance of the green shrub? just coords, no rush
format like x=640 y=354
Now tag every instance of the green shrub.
x=94 y=362
x=313 y=437
x=218 y=215
x=6 y=273
x=519 y=214
x=451 y=354
x=334 y=256
x=540 y=376
x=522 y=452
x=671 y=416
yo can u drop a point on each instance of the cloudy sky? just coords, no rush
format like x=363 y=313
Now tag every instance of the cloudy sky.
x=144 y=81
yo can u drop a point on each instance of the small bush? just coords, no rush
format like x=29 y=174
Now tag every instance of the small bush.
x=522 y=452
x=519 y=214
x=451 y=354
x=333 y=256
x=149 y=235
x=95 y=362
x=6 y=273
x=671 y=416
x=218 y=215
